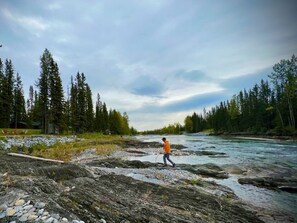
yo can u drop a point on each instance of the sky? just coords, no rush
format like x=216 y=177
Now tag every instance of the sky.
x=156 y=60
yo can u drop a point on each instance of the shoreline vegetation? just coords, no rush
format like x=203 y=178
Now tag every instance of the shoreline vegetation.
x=98 y=183
x=255 y=136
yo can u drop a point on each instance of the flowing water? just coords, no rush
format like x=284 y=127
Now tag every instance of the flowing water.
x=261 y=156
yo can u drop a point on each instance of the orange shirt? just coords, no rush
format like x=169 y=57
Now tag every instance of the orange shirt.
x=166 y=147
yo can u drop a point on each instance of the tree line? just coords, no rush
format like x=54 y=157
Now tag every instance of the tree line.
x=269 y=107
x=48 y=109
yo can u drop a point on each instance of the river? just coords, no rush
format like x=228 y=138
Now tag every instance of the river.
x=259 y=156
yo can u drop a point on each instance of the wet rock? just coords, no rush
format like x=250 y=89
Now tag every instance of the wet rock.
x=115 y=163
x=234 y=169
x=290 y=189
x=272 y=183
x=209 y=153
x=206 y=170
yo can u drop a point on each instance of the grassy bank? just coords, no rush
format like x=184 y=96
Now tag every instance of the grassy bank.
x=104 y=145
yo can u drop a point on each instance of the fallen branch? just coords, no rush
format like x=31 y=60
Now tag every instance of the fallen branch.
x=35 y=157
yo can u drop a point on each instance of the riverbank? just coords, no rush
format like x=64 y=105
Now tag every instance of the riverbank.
x=256 y=136
x=94 y=188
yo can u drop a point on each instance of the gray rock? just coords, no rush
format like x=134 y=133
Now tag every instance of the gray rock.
x=19 y=213
x=40 y=205
x=10 y=212
x=40 y=212
x=32 y=217
x=2 y=215
x=55 y=220
x=44 y=218
x=27 y=203
x=56 y=216
x=32 y=210
x=18 y=208
x=28 y=207
x=64 y=220
x=3 y=207
x=49 y=220
x=19 y=202
x=24 y=218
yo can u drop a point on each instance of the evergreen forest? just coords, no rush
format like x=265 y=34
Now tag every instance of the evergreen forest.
x=48 y=109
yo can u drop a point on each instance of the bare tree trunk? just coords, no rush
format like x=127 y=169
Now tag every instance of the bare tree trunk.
x=280 y=117
x=292 y=115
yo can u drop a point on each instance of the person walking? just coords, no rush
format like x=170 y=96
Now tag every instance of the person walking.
x=167 y=151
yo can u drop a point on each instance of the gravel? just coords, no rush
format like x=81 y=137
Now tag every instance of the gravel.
x=28 y=142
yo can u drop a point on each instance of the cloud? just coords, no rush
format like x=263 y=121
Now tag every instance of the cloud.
x=190 y=103
x=27 y=22
x=145 y=85
x=246 y=81
x=192 y=75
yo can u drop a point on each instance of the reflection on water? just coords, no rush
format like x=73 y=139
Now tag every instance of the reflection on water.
x=269 y=155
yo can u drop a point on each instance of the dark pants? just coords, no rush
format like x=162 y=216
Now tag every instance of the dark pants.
x=166 y=156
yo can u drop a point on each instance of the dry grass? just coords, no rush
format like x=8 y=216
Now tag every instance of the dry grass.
x=24 y=132
x=104 y=145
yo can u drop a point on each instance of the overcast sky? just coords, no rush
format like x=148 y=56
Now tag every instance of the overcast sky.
x=157 y=60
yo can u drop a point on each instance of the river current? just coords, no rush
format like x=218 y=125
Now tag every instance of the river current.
x=261 y=156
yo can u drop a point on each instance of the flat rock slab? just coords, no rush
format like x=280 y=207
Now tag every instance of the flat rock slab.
x=272 y=183
x=116 y=198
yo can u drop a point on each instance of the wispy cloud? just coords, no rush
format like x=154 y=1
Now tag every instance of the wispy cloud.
x=28 y=22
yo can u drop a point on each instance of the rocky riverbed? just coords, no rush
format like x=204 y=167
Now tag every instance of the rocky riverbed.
x=115 y=189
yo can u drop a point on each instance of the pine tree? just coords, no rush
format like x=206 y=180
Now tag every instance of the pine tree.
x=98 y=115
x=56 y=96
x=105 y=119
x=19 y=111
x=43 y=85
x=51 y=97
x=89 y=110
x=81 y=101
x=74 y=106
x=7 y=93
x=81 y=107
